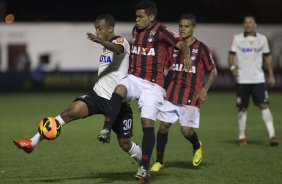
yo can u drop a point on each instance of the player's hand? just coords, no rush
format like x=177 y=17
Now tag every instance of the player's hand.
x=93 y=37
x=202 y=95
x=271 y=81
x=187 y=64
x=235 y=72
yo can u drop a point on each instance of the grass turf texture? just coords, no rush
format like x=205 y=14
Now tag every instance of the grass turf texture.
x=77 y=157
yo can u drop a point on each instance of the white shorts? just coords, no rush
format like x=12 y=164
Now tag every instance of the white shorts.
x=148 y=94
x=188 y=116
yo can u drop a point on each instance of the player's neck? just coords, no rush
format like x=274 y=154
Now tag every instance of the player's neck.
x=190 y=40
x=253 y=33
x=151 y=25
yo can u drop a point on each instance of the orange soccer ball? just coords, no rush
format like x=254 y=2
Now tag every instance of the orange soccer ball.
x=49 y=128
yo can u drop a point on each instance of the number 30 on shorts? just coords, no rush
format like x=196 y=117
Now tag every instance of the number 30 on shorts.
x=127 y=124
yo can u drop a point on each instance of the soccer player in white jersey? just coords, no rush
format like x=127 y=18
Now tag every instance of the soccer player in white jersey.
x=248 y=52
x=113 y=67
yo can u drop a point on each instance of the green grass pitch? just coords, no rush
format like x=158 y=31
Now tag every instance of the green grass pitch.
x=77 y=157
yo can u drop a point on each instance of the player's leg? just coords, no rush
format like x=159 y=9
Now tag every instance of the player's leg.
x=260 y=98
x=149 y=101
x=123 y=127
x=162 y=137
x=167 y=114
x=243 y=97
x=148 y=142
x=190 y=120
x=111 y=113
x=78 y=109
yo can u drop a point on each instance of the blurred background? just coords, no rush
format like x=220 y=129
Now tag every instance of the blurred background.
x=43 y=44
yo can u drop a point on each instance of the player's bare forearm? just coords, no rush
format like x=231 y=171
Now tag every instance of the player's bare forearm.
x=203 y=93
x=271 y=79
x=117 y=48
x=211 y=79
x=268 y=60
x=186 y=54
x=231 y=62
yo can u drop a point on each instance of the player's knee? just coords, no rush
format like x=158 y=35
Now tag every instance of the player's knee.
x=263 y=106
x=164 y=127
x=125 y=144
x=187 y=131
x=75 y=111
x=121 y=90
x=147 y=122
x=243 y=109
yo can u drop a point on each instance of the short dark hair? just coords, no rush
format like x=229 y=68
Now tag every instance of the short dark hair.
x=150 y=7
x=248 y=15
x=109 y=19
x=189 y=16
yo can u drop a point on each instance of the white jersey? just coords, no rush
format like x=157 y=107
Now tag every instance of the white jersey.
x=105 y=86
x=249 y=52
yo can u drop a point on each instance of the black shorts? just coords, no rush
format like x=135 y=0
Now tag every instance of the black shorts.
x=257 y=91
x=123 y=125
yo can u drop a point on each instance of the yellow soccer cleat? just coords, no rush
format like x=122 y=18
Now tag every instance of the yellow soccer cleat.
x=156 y=167
x=197 y=157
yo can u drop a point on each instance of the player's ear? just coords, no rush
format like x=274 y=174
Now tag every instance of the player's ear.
x=152 y=17
x=111 y=29
x=194 y=28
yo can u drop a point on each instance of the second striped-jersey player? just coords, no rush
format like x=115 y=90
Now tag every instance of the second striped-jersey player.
x=185 y=92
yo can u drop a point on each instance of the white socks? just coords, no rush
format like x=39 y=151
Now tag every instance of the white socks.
x=242 y=120
x=135 y=152
x=267 y=118
x=60 y=120
x=268 y=121
x=37 y=137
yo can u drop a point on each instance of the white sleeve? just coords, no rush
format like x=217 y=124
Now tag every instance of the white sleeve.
x=265 y=49
x=234 y=46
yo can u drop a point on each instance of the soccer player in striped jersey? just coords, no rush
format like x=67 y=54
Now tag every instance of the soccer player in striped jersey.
x=146 y=77
x=113 y=66
x=185 y=92
x=250 y=49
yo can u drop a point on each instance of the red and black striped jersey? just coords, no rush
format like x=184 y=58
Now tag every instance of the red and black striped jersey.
x=148 y=52
x=185 y=86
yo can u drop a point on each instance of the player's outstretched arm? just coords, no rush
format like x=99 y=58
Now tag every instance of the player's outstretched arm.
x=203 y=93
x=231 y=62
x=117 y=48
x=186 y=53
x=271 y=79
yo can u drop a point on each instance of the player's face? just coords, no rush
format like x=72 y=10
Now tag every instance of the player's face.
x=186 y=28
x=143 y=20
x=103 y=30
x=250 y=25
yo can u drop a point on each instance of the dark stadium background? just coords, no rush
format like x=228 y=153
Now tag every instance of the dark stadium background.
x=207 y=11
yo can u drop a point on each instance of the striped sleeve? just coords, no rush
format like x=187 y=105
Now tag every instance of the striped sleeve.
x=168 y=36
x=207 y=59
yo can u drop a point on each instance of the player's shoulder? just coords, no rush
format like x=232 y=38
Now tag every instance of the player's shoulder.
x=119 y=40
x=261 y=36
x=239 y=36
x=167 y=29
x=201 y=44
